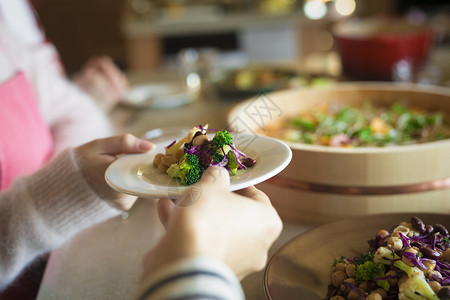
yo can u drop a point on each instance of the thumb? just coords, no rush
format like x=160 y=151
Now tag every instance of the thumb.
x=120 y=144
x=216 y=175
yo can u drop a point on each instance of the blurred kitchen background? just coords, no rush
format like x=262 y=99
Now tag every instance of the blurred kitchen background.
x=145 y=35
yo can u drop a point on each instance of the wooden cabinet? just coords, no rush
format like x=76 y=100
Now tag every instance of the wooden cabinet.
x=82 y=28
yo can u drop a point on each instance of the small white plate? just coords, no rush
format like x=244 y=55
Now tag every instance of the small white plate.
x=158 y=95
x=134 y=174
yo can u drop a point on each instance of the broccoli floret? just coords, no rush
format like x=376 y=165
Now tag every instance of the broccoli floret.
x=369 y=271
x=193 y=175
x=217 y=157
x=221 y=139
x=366 y=257
x=189 y=170
x=415 y=287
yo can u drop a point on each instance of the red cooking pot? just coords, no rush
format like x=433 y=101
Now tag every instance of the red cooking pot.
x=371 y=49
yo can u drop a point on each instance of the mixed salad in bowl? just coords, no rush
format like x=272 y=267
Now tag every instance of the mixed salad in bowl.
x=187 y=158
x=411 y=261
x=365 y=126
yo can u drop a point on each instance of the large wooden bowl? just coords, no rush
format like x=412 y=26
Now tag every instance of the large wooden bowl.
x=322 y=183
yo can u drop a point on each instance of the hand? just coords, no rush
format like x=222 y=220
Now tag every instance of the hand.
x=101 y=78
x=236 y=228
x=95 y=157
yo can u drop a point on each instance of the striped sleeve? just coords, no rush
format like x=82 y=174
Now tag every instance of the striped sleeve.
x=197 y=278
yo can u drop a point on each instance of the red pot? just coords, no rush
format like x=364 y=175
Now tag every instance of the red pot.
x=369 y=50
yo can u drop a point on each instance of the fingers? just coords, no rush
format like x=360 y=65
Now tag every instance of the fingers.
x=255 y=194
x=165 y=208
x=112 y=74
x=122 y=144
x=123 y=202
x=216 y=175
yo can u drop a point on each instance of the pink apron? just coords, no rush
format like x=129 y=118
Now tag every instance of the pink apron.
x=25 y=139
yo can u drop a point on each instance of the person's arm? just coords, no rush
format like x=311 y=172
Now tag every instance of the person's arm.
x=195 y=277
x=101 y=78
x=72 y=115
x=41 y=211
x=214 y=237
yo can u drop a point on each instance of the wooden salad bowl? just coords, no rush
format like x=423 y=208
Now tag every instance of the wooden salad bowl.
x=323 y=183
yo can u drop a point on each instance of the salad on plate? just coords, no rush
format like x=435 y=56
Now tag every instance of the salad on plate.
x=187 y=158
x=411 y=261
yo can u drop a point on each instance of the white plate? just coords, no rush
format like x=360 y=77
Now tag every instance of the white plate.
x=134 y=173
x=158 y=95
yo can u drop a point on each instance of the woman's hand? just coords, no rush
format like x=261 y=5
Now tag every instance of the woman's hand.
x=95 y=157
x=236 y=228
x=101 y=78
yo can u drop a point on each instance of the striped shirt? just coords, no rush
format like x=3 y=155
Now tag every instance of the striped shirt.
x=193 y=278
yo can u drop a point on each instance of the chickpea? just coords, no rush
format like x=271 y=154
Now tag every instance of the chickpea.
x=395 y=243
x=446 y=255
x=383 y=233
x=169 y=159
x=381 y=292
x=392 y=281
x=405 y=260
x=374 y=296
x=430 y=267
x=353 y=296
x=179 y=154
x=403 y=229
x=200 y=140
x=435 y=286
x=157 y=159
x=340 y=267
x=350 y=270
x=344 y=288
x=363 y=286
x=162 y=167
x=337 y=278
x=434 y=274
x=412 y=250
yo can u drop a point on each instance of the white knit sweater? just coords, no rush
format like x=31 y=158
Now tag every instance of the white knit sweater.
x=72 y=115
x=41 y=211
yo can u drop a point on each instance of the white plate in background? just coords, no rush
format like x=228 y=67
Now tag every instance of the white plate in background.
x=158 y=95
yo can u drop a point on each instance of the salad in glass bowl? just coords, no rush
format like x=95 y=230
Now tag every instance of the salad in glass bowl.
x=409 y=261
x=187 y=158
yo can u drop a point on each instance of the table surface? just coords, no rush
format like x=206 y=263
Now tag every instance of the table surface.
x=104 y=262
